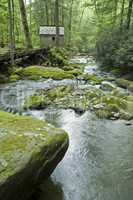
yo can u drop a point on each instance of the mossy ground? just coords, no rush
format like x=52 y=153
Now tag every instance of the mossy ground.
x=21 y=139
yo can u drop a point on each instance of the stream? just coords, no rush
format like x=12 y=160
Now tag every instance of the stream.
x=99 y=162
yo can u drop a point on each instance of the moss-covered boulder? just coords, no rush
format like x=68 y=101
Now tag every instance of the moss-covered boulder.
x=125 y=84
x=38 y=72
x=114 y=105
x=30 y=150
x=107 y=86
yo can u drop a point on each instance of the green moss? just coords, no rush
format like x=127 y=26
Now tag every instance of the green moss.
x=94 y=94
x=44 y=98
x=106 y=105
x=80 y=66
x=113 y=105
x=38 y=72
x=75 y=72
x=59 y=92
x=14 y=78
x=57 y=57
x=17 y=71
x=21 y=139
x=73 y=69
x=64 y=96
x=126 y=115
x=19 y=124
x=68 y=68
x=129 y=107
x=109 y=78
x=109 y=100
x=35 y=102
x=109 y=111
x=93 y=78
x=125 y=83
x=116 y=71
x=103 y=114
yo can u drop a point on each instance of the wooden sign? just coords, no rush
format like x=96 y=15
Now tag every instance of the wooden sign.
x=50 y=30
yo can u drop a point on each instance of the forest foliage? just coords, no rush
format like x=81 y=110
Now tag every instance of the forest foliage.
x=103 y=27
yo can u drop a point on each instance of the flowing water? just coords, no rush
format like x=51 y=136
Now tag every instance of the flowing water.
x=99 y=161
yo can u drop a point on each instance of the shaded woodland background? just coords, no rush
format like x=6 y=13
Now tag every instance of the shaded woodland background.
x=103 y=27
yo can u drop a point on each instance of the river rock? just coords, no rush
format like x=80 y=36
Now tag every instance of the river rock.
x=128 y=123
x=30 y=150
x=99 y=106
x=107 y=86
x=126 y=84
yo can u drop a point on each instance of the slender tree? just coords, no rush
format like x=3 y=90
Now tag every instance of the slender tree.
x=47 y=12
x=11 y=31
x=122 y=13
x=115 y=11
x=129 y=13
x=28 y=42
x=57 y=21
x=70 y=21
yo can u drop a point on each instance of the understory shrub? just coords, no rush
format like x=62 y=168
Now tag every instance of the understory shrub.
x=115 y=51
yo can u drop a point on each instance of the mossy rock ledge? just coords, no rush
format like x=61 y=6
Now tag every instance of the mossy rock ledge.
x=30 y=150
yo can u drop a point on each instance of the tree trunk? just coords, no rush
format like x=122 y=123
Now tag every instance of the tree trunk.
x=11 y=32
x=62 y=16
x=129 y=14
x=82 y=14
x=30 y=17
x=28 y=42
x=115 y=11
x=122 y=13
x=52 y=11
x=47 y=12
x=57 y=21
x=70 y=22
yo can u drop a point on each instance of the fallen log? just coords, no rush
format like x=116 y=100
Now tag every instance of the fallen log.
x=23 y=58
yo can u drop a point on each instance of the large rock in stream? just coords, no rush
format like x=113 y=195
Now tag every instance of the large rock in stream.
x=30 y=150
